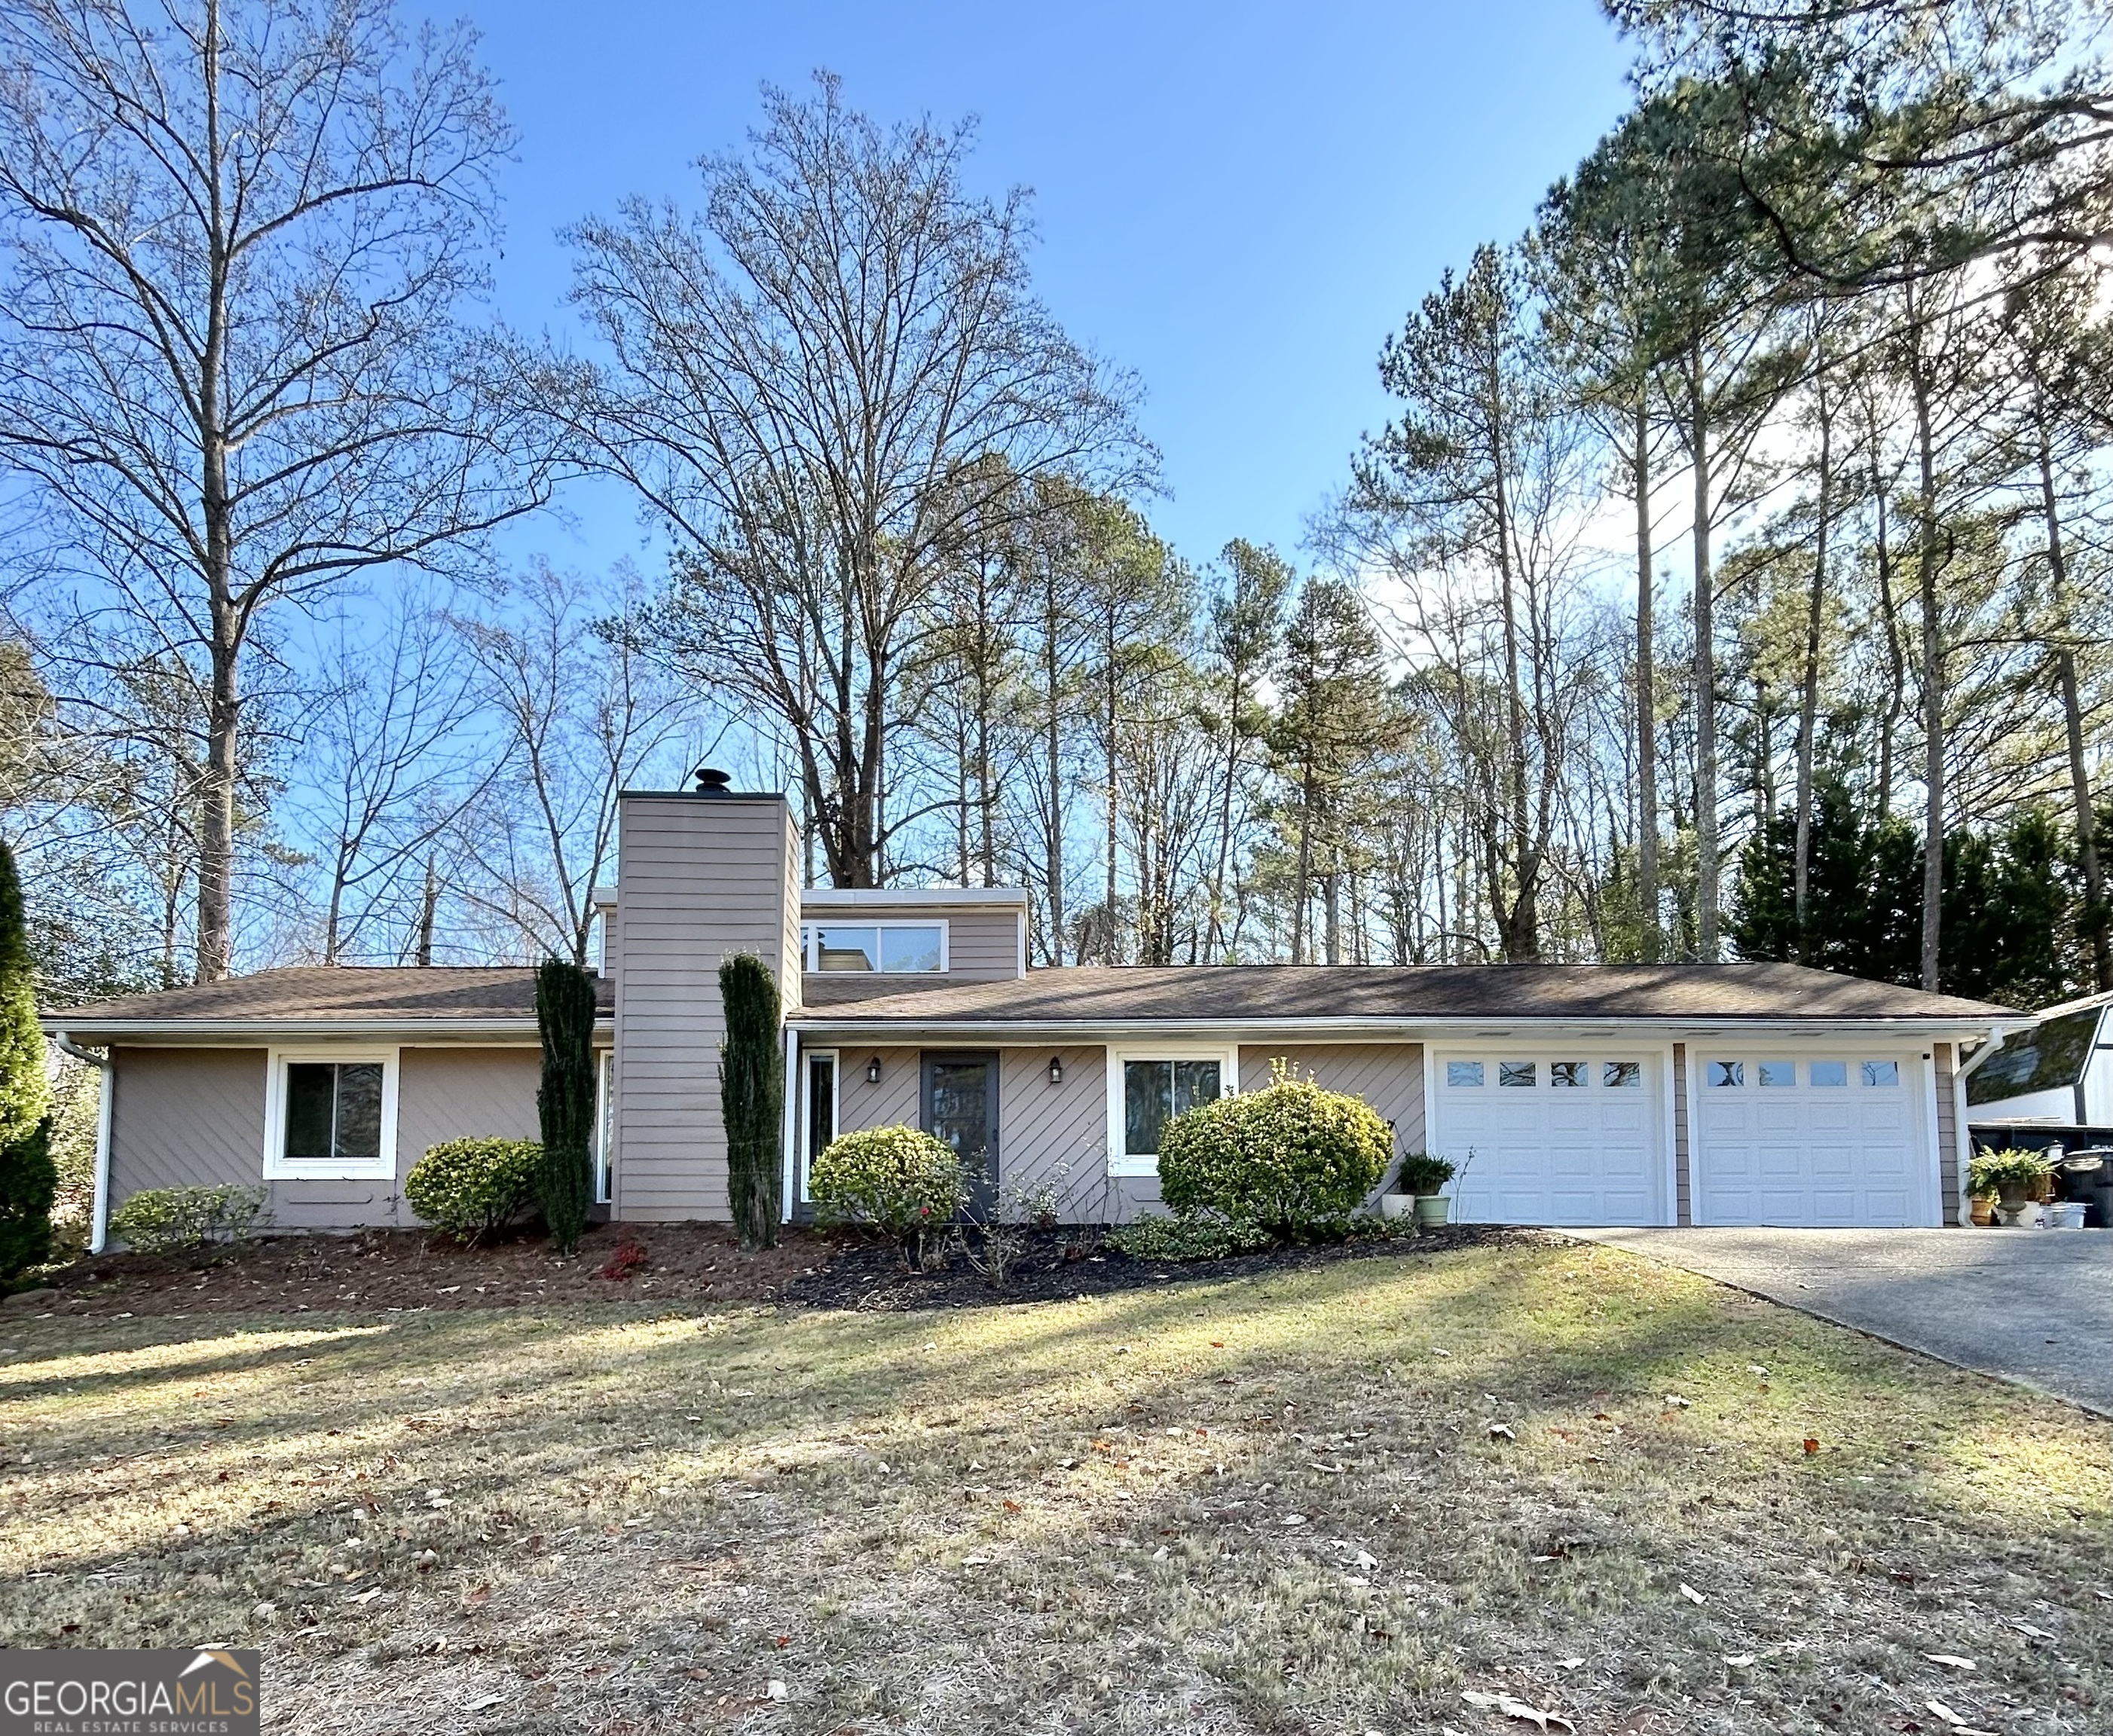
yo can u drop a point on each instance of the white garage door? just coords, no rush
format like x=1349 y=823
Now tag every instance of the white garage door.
x=1553 y=1136
x=1834 y=1140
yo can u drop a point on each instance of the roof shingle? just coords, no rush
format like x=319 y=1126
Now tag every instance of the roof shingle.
x=349 y=993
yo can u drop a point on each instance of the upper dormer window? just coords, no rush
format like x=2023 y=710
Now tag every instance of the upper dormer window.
x=889 y=949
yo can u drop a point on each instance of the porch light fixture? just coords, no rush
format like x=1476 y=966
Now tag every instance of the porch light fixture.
x=873 y=1071
x=1056 y=1070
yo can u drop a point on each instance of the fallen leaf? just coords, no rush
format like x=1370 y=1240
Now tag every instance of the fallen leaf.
x=1512 y=1707
x=1570 y=1663
x=776 y=1690
x=1679 y=1403
x=1950 y=1660
x=1501 y=1431
x=1744 y=1660
x=1690 y=1593
x=1811 y=1445
x=484 y=1703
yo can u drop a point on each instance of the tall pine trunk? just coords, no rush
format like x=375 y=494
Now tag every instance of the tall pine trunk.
x=1646 y=696
x=2094 y=914
x=1706 y=862
x=1926 y=563
x=1807 y=715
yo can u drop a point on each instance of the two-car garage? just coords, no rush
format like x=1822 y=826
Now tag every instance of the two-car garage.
x=1714 y=1133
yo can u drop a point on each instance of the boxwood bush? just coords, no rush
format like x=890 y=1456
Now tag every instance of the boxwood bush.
x=1294 y=1159
x=901 y=1182
x=475 y=1187
x=167 y=1220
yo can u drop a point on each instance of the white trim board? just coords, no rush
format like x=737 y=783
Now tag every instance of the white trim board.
x=1120 y=1164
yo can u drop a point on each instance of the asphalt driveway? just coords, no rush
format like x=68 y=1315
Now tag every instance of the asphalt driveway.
x=2034 y=1306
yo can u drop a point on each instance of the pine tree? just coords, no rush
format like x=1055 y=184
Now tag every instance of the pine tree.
x=28 y=1178
x=565 y=1102
x=751 y=1098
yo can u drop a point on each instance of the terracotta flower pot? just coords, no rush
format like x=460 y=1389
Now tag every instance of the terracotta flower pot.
x=1981 y=1209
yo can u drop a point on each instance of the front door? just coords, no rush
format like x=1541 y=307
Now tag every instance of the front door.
x=961 y=1107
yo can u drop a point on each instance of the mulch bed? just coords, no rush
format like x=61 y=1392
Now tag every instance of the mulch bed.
x=402 y=1270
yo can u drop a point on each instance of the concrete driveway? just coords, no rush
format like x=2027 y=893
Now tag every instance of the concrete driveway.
x=2034 y=1306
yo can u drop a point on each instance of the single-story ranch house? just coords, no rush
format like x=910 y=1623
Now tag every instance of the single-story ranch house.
x=1731 y=1094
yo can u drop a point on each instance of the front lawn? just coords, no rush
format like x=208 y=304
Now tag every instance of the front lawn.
x=1335 y=1499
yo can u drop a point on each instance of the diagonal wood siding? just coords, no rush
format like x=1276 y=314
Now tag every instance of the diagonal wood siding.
x=1056 y=1133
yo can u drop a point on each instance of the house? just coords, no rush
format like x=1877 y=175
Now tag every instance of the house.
x=1568 y=1094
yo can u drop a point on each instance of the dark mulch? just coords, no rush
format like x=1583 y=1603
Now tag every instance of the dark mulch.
x=871 y=1278
x=401 y=1270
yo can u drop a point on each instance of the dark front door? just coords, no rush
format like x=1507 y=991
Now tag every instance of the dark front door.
x=961 y=1107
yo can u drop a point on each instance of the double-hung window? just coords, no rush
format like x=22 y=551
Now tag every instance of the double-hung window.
x=330 y=1114
x=1148 y=1087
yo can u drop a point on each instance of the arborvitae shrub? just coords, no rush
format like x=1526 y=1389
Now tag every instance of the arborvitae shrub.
x=752 y=1097
x=28 y=1178
x=565 y=1101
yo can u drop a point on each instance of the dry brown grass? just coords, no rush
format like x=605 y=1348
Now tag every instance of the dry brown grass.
x=1271 y=1506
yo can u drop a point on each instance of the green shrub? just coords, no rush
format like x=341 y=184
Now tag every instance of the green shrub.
x=1192 y=1236
x=1293 y=1158
x=29 y=1183
x=565 y=1100
x=2021 y=1172
x=899 y=1181
x=1422 y=1173
x=166 y=1220
x=475 y=1187
x=752 y=1097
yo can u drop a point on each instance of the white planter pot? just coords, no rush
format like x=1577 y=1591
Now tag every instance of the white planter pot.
x=2065 y=1214
x=1397 y=1204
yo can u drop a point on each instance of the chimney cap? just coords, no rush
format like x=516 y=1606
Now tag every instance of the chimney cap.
x=712 y=781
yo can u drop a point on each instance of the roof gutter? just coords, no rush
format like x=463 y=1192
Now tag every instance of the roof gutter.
x=836 y=1023
x=106 y=1093
x=276 y=1030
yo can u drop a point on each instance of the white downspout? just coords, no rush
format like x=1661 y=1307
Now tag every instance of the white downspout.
x=105 y=1091
x=790 y=1134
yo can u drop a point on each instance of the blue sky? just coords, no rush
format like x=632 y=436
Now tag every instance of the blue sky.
x=1237 y=201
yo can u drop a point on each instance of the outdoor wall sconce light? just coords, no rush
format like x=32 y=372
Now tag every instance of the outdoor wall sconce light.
x=873 y=1071
x=1056 y=1070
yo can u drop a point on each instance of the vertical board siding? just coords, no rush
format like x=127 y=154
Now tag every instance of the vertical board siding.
x=896 y=1102
x=1683 y=1208
x=1949 y=1179
x=983 y=946
x=1388 y=1076
x=1057 y=1134
x=698 y=877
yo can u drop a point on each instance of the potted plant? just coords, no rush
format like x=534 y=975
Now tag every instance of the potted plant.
x=1981 y=1209
x=2014 y=1177
x=1421 y=1176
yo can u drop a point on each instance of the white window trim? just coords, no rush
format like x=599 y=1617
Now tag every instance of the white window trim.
x=604 y=1189
x=810 y=961
x=1120 y=1163
x=808 y=1057
x=278 y=1168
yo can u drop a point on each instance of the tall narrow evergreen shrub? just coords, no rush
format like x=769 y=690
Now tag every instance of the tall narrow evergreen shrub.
x=29 y=1179
x=565 y=1101
x=752 y=1097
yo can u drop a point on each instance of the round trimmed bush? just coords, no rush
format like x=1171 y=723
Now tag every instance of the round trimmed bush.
x=901 y=1182
x=1293 y=1158
x=475 y=1187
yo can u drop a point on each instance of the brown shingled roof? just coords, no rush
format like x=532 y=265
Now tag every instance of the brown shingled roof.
x=1261 y=994
x=335 y=993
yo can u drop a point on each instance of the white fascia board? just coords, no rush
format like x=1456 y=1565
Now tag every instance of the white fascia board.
x=225 y=1031
x=818 y=1022
x=923 y=898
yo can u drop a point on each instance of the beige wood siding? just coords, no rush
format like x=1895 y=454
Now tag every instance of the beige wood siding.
x=983 y=946
x=464 y=1094
x=1056 y=1133
x=698 y=877
x=1683 y=1207
x=1948 y=1132
x=893 y=1103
